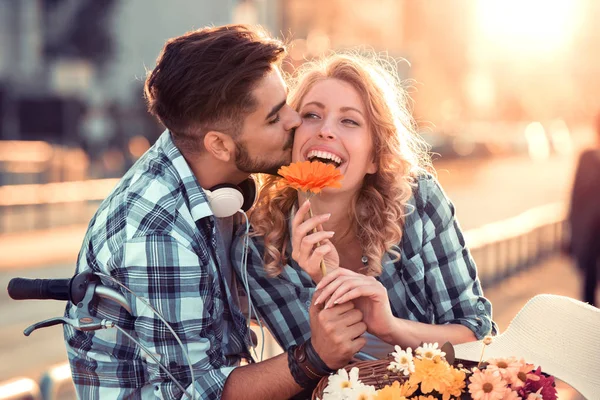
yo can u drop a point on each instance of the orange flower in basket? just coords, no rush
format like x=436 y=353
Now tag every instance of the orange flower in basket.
x=310 y=176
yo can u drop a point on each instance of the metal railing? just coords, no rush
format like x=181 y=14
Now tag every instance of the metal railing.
x=45 y=186
x=507 y=247
x=20 y=389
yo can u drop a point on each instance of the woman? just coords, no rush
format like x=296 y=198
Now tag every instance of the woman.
x=388 y=236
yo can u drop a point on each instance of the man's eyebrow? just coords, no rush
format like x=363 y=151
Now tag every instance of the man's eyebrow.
x=276 y=109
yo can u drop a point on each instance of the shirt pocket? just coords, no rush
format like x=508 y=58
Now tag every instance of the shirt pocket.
x=412 y=275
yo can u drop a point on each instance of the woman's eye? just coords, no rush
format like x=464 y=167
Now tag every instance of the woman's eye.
x=350 y=121
x=310 y=115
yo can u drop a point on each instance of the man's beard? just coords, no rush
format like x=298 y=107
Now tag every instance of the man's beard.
x=244 y=162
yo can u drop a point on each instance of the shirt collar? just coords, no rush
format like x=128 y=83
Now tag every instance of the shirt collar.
x=198 y=202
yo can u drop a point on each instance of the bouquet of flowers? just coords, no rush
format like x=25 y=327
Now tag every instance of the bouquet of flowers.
x=432 y=373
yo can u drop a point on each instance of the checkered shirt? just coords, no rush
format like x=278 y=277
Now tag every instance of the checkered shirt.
x=435 y=281
x=156 y=234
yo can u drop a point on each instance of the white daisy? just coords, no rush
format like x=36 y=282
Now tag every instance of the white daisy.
x=342 y=382
x=362 y=392
x=403 y=361
x=333 y=396
x=429 y=351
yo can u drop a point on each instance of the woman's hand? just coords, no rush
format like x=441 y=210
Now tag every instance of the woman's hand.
x=367 y=293
x=306 y=250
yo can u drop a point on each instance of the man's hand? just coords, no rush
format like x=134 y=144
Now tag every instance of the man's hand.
x=337 y=332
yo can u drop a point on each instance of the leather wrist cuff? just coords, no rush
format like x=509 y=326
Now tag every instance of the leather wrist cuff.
x=318 y=365
x=305 y=364
x=306 y=367
x=298 y=373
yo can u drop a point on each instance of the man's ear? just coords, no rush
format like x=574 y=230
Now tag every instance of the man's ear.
x=220 y=145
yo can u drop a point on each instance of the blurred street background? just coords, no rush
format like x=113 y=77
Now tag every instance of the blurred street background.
x=505 y=92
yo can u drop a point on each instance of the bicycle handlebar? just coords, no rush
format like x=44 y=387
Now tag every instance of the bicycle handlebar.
x=81 y=290
x=73 y=289
x=39 y=289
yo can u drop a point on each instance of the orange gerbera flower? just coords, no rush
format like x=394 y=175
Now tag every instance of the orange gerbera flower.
x=310 y=176
x=455 y=386
x=431 y=375
x=396 y=391
x=390 y=392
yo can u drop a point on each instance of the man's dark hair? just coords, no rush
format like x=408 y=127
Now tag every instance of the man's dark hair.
x=203 y=80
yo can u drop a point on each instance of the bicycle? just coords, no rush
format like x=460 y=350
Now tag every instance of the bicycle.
x=83 y=290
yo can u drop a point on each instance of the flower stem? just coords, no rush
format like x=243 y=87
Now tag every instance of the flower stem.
x=481 y=357
x=322 y=265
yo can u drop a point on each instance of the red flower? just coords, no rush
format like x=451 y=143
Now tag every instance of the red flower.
x=548 y=391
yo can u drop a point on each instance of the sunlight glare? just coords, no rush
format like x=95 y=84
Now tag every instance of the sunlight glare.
x=527 y=25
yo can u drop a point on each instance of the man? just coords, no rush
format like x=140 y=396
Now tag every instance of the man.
x=584 y=218
x=220 y=94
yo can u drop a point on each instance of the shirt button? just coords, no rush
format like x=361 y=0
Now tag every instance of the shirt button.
x=481 y=307
x=307 y=304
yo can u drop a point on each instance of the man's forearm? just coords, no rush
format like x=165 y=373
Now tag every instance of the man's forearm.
x=269 y=379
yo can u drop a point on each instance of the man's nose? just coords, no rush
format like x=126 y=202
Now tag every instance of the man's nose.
x=294 y=121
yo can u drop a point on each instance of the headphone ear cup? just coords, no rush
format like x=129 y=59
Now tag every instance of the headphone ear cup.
x=225 y=200
x=249 y=191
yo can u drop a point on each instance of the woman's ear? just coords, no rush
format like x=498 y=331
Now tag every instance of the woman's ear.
x=372 y=167
x=220 y=145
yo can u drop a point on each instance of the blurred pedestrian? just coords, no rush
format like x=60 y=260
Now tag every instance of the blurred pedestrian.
x=584 y=217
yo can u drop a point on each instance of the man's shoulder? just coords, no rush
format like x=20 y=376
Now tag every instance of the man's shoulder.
x=146 y=201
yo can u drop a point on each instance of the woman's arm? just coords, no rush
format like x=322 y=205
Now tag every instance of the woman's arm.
x=370 y=296
x=461 y=313
x=451 y=281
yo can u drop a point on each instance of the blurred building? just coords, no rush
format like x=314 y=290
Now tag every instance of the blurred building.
x=469 y=60
x=69 y=66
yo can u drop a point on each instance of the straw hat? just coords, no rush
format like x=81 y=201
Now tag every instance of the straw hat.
x=557 y=333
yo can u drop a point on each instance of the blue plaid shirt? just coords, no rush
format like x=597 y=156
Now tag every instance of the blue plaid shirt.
x=435 y=281
x=156 y=234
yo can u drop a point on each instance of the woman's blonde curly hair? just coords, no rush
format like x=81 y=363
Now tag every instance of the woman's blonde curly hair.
x=380 y=208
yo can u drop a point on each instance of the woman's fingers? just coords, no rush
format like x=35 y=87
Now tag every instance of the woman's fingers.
x=333 y=276
x=301 y=228
x=301 y=214
x=353 y=293
x=317 y=237
x=364 y=286
x=298 y=219
x=328 y=290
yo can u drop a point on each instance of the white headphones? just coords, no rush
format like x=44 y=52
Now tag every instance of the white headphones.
x=226 y=199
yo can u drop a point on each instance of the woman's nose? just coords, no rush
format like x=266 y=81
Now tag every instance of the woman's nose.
x=326 y=133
